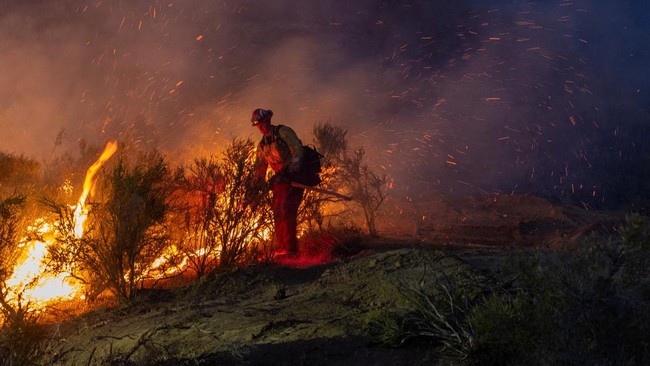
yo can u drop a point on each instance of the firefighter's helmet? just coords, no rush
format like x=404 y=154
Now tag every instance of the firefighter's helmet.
x=261 y=115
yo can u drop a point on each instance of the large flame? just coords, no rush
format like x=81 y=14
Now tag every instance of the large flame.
x=81 y=213
x=29 y=282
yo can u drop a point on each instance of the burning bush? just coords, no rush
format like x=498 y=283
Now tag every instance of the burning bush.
x=125 y=233
x=20 y=337
x=331 y=142
x=227 y=215
x=20 y=334
x=347 y=171
x=9 y=234
x=146 y=222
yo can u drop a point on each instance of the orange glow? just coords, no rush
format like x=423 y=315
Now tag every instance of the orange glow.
x=47 y=287
x=157 y=269
x=30 y=282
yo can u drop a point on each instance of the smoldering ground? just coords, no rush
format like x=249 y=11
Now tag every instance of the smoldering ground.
x=445 y=96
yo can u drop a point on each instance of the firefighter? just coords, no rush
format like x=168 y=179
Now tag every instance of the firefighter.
x=282 y=151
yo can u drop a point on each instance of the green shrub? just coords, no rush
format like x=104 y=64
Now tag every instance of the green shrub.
x=440 y=314
x=511 y=330
x=587 y=307
x=385 y=327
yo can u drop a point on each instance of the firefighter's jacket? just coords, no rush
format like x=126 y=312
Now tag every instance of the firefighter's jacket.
x=280 y=151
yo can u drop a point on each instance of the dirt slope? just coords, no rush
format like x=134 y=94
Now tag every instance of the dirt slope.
x=281 y=314
x=267 y=314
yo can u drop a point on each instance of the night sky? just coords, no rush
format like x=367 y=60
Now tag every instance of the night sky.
x=446 y=97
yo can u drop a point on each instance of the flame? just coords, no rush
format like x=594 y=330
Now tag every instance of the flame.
x=45 y=288
x=158 y=269
x=29 y=282
x=81 y=213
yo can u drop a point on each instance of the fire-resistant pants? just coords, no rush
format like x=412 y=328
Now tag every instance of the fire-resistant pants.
x=286 y=200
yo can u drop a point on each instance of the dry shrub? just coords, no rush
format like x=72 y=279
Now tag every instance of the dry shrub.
x=227 y=211
x=21 y=337
x=125 y=231
x=17 y=172
x=349 y=172
x=20 y=334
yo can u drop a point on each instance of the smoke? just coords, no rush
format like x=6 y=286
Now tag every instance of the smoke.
x=446 y=97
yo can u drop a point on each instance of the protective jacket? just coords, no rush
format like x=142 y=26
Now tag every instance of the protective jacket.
x=280 y=151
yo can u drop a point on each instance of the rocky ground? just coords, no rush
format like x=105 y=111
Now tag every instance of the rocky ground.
x=301 y=313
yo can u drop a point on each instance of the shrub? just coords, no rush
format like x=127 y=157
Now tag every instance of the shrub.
x=347 y=171
x=227 y=214
x=20 y=334
x=125 y=231
x=10 y=229
x=366 y=187
x=588 y=307
x=439 y=314
x=17 y=172
x=317 y=206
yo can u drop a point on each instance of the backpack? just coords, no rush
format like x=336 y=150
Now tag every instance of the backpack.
x=310 y=169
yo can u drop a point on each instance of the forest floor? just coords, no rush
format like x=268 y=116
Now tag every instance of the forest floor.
x=305 y=312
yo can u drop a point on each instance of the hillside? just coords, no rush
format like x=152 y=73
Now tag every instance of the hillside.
x=290 y=313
